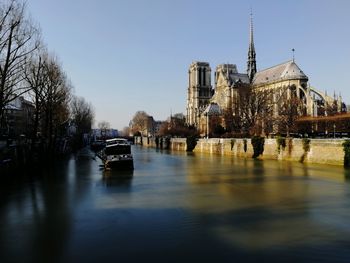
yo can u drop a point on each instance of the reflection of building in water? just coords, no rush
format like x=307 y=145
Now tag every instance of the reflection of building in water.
x=284 y=81
x=244 y=184
x=261 y=205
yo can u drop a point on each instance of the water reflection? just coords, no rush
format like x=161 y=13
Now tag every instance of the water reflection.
x=117 y=178
x=176 y=207
x=30 y=220
x=273 y=205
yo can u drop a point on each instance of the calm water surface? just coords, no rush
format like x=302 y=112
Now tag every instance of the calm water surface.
x=177 y=207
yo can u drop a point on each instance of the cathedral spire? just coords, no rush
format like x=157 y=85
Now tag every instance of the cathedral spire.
x=251 y=63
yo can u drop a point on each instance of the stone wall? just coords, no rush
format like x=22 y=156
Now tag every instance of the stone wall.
x=176 y=144
x=323 y=151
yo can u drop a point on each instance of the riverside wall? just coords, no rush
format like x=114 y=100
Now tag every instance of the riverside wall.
x=176 y=144
x=322 y=151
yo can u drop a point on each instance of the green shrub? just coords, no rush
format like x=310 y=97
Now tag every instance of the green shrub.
x=167 y=143
x=281 y=142
x=290 y=145
x=245 y=145
x=191 y=142
x=258 y=145
x=346 y=148
x=306 y=144
x=306 y=147
x=232 y=143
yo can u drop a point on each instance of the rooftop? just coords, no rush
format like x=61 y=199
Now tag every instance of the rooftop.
x=285 y=71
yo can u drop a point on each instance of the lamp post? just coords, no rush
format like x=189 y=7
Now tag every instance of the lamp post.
x=207 y=125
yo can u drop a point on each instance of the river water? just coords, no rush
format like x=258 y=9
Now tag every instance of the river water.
x=177 y=207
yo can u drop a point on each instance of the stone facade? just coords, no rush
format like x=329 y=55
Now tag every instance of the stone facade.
x=227 y=81
x=199 y=91
x=321 y=151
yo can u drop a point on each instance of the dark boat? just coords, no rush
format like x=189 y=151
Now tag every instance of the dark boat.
x=117 y=155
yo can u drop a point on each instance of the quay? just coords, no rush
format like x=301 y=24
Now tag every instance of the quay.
x=321 y=151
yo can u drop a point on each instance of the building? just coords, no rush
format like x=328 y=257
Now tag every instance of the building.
x=282 y=81
x=104 y=133
x=19 y=117
x=144 y=124
x=199 y=91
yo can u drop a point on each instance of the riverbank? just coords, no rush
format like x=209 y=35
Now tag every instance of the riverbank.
x=23 y=153
x=321 y=151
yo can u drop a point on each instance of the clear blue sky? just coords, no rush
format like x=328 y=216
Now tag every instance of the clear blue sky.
x=125 y=56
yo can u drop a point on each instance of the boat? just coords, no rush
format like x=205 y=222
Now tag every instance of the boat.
x=117 y=154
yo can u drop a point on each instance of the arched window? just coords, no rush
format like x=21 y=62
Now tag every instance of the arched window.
x=302 y=95
x=293 y=91
x=204 y=76
x=199 y=77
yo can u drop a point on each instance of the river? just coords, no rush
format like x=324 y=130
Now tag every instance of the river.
x=177 y=207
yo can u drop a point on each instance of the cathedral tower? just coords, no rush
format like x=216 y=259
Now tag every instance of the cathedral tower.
x=251 y=64
x=199 y=90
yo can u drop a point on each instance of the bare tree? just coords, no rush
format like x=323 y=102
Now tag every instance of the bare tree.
x=289 y=110
x=228 y=119
x=56 y=96
x=179 y=116
x=331 y=109
x=104 y=126
x=177 y=120
x=254 y=108
x=82 y=114
x=176 y=126
x=215 y=126
x=139 y=122
x=164 y=129
x=231 y=121
x=35 y=80
x=18 y=39
x=126 y=131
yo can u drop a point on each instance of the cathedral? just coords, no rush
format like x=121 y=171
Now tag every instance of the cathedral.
x=203 y=100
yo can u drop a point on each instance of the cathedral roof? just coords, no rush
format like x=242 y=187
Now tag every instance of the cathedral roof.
x=239 y=77
x=285 y=71
x=231 y=75
x=212 y=109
